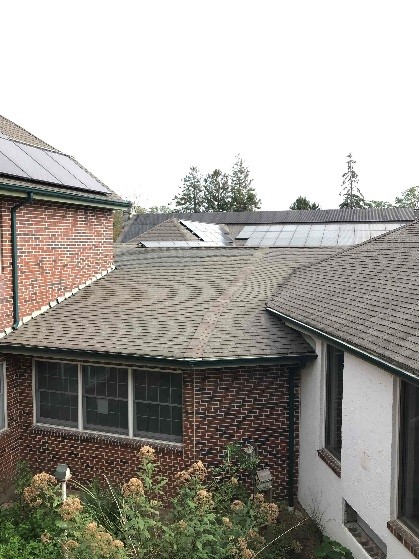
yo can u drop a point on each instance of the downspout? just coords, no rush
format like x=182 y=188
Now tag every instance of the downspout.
x=15 y=275
x=291 y=437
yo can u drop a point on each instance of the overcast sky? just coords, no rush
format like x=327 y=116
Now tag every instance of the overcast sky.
x=139 y=91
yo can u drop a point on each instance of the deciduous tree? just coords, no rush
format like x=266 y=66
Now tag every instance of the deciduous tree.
x=409 y=198
x=302 y=203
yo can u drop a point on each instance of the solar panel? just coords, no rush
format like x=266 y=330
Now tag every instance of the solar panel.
x=208 y=232
x=83 y=176
x=31 y=168
x=55 y=168
x=29 y=162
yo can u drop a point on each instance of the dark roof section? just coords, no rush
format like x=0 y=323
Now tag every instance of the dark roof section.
x=182 y=304
x=43 y=190
x=169 y=230
x=366 y=296
x=141 y=223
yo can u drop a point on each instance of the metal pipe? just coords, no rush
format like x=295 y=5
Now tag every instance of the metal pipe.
x=291 y=437
x=15 y=274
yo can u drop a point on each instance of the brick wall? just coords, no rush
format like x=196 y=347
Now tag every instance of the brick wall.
x=59 y=247
x=220 y=406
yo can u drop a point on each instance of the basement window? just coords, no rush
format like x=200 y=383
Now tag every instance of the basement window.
x=334 y=396
x=364 y=535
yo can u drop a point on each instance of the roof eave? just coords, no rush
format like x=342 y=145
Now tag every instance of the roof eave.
x=144 y=360
x=357 y=351
x=48 y=196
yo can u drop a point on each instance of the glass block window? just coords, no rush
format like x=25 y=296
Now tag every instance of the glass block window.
x=56 y=393
x=158 y=405
x=105 y=398
x=334 y=396
x=2 y=398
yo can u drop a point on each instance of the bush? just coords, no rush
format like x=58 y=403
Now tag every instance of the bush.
x=212 y=515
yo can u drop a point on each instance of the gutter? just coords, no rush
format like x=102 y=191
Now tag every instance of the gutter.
x=47 y=195
x=124 y=359
x=291 y=437
x=393 y=369
x=15 y=275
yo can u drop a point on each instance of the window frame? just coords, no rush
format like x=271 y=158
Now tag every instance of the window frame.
x=81 y=423
x=330 y=398
x=3 y=397
x=402 y=459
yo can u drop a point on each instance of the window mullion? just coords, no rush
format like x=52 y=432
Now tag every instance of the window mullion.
x=130 y=403
x=80 y=397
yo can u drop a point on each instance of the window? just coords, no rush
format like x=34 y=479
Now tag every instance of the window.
x=158 y=404
x=125 y=401
x=334 y=394
x=2 y=396
x=409 y=457
x=56 y=393
x=105 y=399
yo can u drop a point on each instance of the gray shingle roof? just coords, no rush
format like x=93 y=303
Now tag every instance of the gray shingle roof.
x=141 y=223
x=176 y=304
x=366 y=296
x=19 y=134
x=169 y=230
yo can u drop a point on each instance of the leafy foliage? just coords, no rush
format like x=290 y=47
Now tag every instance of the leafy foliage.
x=213 y=514
x=302 y=203
x=330 y=549
x=218 y=191
x=409 y=198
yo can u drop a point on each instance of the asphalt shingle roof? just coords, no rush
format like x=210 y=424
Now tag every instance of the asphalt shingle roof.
x=141 y=223
x=176 y=304
x=19 y=134
x=367 y=296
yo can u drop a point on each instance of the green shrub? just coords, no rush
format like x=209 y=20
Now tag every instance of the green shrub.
x=331 y=549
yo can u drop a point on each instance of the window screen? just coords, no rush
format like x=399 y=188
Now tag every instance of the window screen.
x=56 y=393
x=105 y=396
x=158 y=405
x=409 y=457
x=334 y=395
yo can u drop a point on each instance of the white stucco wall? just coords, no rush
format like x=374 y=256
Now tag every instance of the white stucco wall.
x=369 y=452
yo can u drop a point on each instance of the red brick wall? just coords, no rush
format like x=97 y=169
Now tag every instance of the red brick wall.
x=231 y=404
x=59 y=247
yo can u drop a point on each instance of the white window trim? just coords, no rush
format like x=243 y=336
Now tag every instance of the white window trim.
x=4 y=379
x=80 y=425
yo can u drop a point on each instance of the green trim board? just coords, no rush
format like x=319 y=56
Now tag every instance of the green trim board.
x=123 y=359
x=50 y=196
x=358 y=352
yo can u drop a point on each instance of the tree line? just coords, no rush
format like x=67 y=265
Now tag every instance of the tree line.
x=217 y=191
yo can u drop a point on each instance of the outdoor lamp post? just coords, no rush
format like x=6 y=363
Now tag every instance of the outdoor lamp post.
x=63 y=474
x=264 y=482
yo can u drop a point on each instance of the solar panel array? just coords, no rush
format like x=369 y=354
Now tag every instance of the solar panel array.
x=29 y=162
x=313 y=235
x=194 y=244
x=208 y=232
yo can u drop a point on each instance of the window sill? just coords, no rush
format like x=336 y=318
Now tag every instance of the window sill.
x=330 y=460
x=107 y=438
x=405 y=537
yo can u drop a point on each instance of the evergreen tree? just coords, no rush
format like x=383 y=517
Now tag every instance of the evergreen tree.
x=191 y=197
x=243 y=195
x=409 y=198
x=217 y=193
x=302 y=203
x=352 y=196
